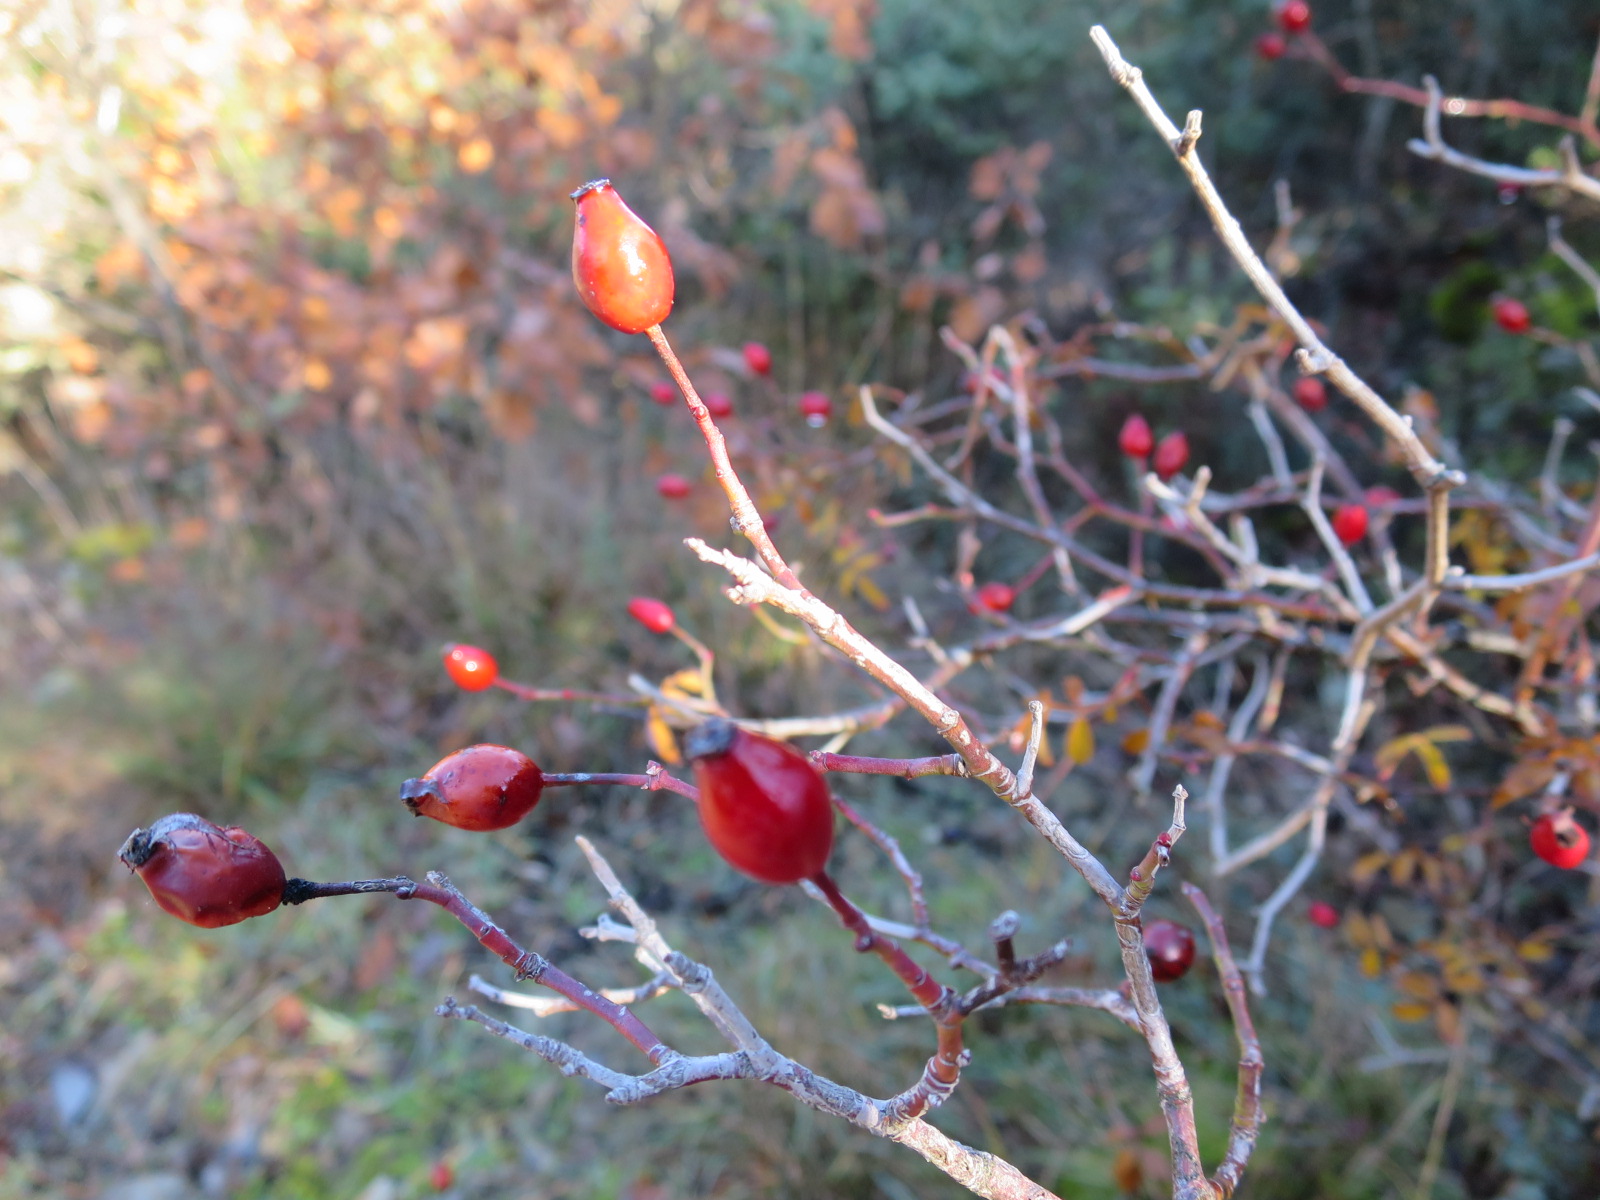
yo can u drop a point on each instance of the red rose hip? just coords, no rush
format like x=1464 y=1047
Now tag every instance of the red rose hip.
x=758 y=358
x=1170 y=949
x=663 y=393
x=1135 y=439
x=718 y=404
x=1271 y=46
x=1511 y=315
x=1311 y=394
x=471 y=669
x=1350 y=523
x=1295 y=16
x=1172 y=453
x=619 y=263
x=816 y=408
x=995 y=597
x=205 y=874
x=765 y=809
x=480 y=788
x=1322 y=914
x=1559 y=840
x=654 y=615
x=673 y=487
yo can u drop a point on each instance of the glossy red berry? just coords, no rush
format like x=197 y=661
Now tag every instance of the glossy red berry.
x=816 y=408
x=1295 y=16
x=1270 y=46
x=442 y=1176
x=718 y=404
x=654 y=615
x=482 y=787
x=1558 y=839
x=1511 y=315
x=758 y=358
x=1135 y=440
x=1350 y=523
x=673 y=487
x=619 y=263
x=205 y=874
x=1311 y=394
x=764 y=807
x=1170 y=948
x=995 y=597
x=1172 y=453
x=470 y=668
x=1322 y=914
x=663 y=393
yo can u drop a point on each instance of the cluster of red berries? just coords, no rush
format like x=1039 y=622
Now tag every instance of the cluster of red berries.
x=1294 y=18
x=1167 y=457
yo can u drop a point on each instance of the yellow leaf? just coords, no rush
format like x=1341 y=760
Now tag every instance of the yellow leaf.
x=682 y=684
x=1433 y=764
x=1371 y=962
x=1412 y=1012
x=872 y=593
x=1367 y=866
x=1536 y=951
x=1135 y=741
x=661 y=738
x=1080 y=741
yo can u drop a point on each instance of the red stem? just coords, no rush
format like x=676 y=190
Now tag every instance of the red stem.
x=655 y=781
x=526 y=963
x=906 y=768
x=746 y=518
x=523 y=691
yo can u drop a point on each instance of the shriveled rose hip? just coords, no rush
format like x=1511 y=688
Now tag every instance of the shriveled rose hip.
x=480 y=788
x=619 y=263
x=205 y=874
x=471 y=668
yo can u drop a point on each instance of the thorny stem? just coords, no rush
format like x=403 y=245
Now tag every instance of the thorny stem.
x=526 y=963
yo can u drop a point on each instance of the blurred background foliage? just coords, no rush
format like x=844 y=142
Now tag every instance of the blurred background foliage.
x=293 y=388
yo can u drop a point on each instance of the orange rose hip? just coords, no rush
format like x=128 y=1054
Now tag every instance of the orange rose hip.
x=619 y=263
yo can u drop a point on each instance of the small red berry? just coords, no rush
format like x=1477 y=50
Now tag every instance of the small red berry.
x=816 y=408
x=1170 y=948
x=663 y=393
x=654 y=615
x=1381 y=496
x=1508 y=193
x=1310 y=394
x=1512 y=315
x=1271 y=46
x=718 y=404
x=619 y=263
x=1172 y=452
x=673 y=487
x=441 y=1176
x=995 y=597
x=1136 y=440
x=480 y=788
x=764 y=807
x=205 y=874
x=470 y=668
x=1295 y=16
x=1558 y=839
x=758 y=358
x=1350 y=523
x=1322 y=914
